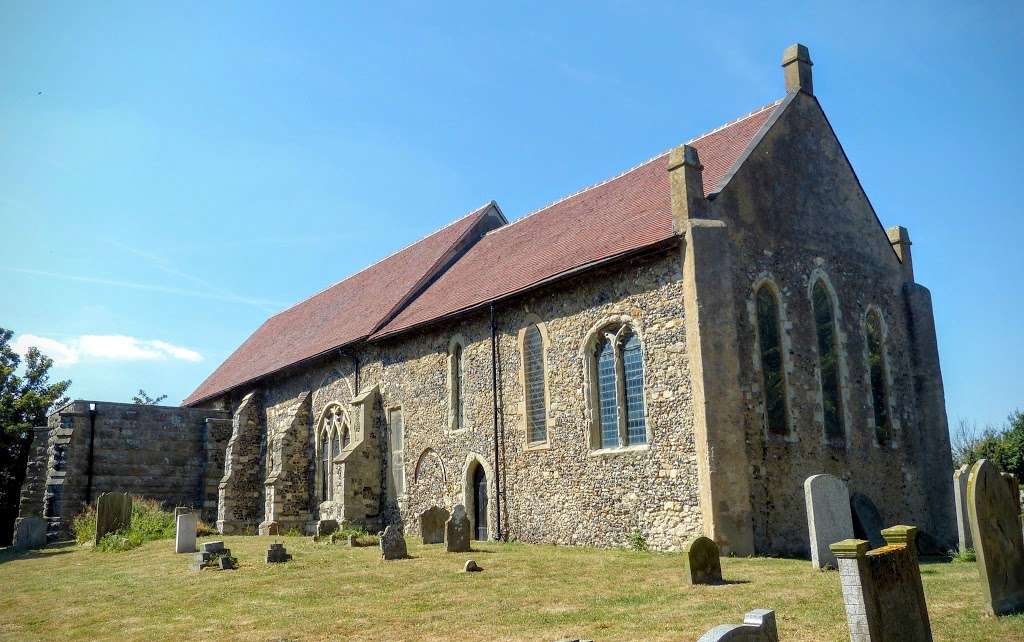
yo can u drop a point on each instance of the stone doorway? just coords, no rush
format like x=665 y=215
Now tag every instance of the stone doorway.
x=480 y=503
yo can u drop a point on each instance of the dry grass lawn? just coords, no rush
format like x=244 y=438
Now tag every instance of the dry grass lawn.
x=525 y=593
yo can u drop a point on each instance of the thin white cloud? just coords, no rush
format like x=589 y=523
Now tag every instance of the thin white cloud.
x=109 y=347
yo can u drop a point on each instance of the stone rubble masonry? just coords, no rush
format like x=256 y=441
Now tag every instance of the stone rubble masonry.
x=287 y=487
x=998 y=540
x=828 y=517
x=758 y=626
x=240 y=502
x=882 y=589
x=963 y=523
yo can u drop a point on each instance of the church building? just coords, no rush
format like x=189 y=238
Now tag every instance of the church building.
x=669 y=352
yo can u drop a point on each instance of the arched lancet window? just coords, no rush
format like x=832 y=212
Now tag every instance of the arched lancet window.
x=533 y=367
x=325 y=466
x=457 y=379
x=773 y=377
x=617 y=388
x=874 y=331
x=828 y=360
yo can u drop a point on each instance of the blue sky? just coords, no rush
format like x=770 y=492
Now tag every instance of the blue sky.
x=173 y=175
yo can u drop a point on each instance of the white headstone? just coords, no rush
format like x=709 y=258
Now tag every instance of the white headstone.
x=828 y=517
x=963 y=524
x=185 y=538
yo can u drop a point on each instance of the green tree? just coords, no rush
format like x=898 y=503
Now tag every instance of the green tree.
x=25 y=399
x=1004 y=445
x=144 y=399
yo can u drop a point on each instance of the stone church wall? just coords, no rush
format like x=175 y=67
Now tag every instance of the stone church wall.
x=815 y=220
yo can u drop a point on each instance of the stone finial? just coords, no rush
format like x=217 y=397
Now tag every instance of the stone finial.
x=902 y=536
x=850 y=548
x=796 y=66
x=687 y=183
x=899 y=239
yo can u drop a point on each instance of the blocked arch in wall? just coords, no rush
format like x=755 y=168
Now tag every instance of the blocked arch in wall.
x=474 y=461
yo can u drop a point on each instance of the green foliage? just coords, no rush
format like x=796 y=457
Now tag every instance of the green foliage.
x=149 y=522
x=144 y=399
x=293 y=532
x=24 y=401
x=967 y=555
x=1003 y=445
x=364 y=538
x=637 y=541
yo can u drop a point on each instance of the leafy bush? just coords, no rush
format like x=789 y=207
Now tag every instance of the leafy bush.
x=637 y=541
x=149 y=522
x=363 y=538
x=967 y=555
x=1003 y=445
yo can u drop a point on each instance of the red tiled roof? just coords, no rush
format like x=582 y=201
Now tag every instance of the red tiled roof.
x=345 y=312
x=619 y=216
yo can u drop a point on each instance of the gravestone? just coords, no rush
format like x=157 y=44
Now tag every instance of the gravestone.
x=998 y=541
x=277 y=554
x=185 y=533
x=271 y=528
x=432 y=523
x=1014 y=485
x=828 y=517
x=181 y=510
x=963 y=524
x=867 y=522
x=882 y=590
x=213 y=555
x=758 y=626
x=326 y=527
x=472 y=567
x=703 y=565
x=113 y=513
x=456 y=531
x=392 y=543
x=29 y=533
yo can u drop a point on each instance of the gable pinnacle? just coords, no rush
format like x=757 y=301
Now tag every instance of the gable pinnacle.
x=796 y=66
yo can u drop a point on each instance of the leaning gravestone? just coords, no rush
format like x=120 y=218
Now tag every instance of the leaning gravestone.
x=867 y=522
x=758 y=626
x=113 y=513
x=432 y=523
x=995 y=528
x=828 y=517
x=392 y=543
x=456 y=531
x=326 y=527
x=29 y=533
x=703 y=565
x=963 y=524
x=185 y=534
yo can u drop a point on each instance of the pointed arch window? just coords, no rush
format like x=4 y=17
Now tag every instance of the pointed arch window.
x=828 y=361
x=325 y=466
x=874 y=331
x=534 y=382
x=773 y=376
x=616 y=366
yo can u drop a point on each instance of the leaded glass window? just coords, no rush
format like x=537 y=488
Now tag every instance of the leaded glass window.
x=879 y=377
x=828 y=361
x=533 y=365
x=606 y=386
x=773 y=377
x=633 y=373
x=618 y=368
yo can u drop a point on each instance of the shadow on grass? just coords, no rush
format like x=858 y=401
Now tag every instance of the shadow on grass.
x=61 y=548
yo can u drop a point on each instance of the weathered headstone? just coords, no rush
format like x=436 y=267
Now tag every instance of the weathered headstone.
x=213 y=554
x=867 y=522
x=828 y=517
x=181 y=510
x=963 y=524
x=456 y=531
x=392 y=543
x=432 y=523
x=758 y=626
x=29 y=533
x=267 y=529
x=214 y=547
x=1011 y=481
x=185 y=533
x=998 y=541
x=882 y=589
x=703 y=565
x=326 y=527
x=277 y=554
x=113 y=513
x=472 y=567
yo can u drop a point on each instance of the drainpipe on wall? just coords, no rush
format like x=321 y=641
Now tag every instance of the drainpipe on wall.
x=92 y=444
x=494 y=413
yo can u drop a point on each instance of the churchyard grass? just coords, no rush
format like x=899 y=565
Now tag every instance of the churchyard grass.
x=525 y=592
